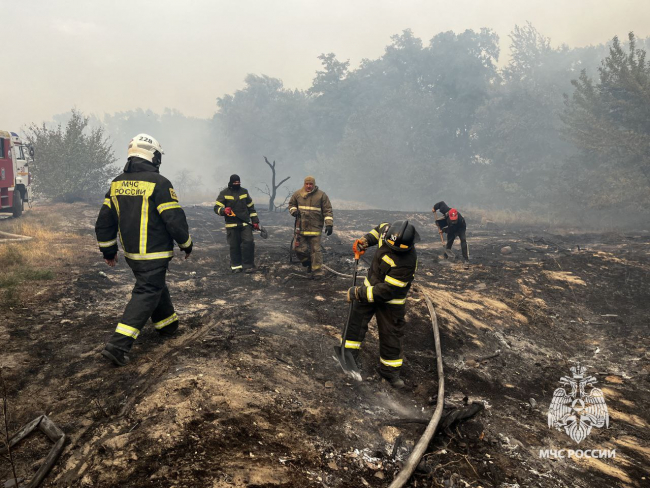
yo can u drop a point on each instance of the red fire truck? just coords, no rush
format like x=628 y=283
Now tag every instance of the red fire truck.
x=15 y=179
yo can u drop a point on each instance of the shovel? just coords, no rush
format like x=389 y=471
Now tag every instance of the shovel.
x=448 y=252
x=341 y=354
x=263 y=233
x=295 y=241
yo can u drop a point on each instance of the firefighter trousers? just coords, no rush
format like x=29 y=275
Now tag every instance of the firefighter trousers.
x=390 y=324
x=149 y=299
x=451 y=237
x=242 y=247
x=309 y=249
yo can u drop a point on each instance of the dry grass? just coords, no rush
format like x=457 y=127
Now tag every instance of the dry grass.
x=34 y=260
x=507 y=217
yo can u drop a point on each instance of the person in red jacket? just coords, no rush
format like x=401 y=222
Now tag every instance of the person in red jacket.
x=453 y=225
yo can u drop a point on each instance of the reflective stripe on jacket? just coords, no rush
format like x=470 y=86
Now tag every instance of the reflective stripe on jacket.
x=315 y=210
x=142 y=208
x=391 y=273
x=241 y=203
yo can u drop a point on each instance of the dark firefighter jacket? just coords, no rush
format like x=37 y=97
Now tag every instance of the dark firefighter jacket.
x=241 y=203
x=142 y=208
x=445 y=224
x=315 y=210
x=391 y=272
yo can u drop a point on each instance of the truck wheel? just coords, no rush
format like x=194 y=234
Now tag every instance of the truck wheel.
x=18 y=204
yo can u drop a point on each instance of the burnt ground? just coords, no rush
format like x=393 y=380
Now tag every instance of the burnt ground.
x=248 y=394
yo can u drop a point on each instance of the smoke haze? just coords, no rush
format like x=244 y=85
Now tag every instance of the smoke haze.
x=106 y=57
x=394 y=104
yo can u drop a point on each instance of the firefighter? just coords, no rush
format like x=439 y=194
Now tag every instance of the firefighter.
x=384 y=294
x=312 y=209
x=142 y=208
x=454 y=226
x=237 y=206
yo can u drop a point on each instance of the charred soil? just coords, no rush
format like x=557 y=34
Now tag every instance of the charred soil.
x=248 y=394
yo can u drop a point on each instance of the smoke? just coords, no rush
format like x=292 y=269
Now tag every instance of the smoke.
x=424 y=122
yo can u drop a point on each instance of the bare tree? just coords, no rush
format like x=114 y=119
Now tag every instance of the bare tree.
x=5 y=414
x=272 y=191
x=285 y=203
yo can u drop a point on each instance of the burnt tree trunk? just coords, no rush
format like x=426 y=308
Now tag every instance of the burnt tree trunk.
x=274 y=188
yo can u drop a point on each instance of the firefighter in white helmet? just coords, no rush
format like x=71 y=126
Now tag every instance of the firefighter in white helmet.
x=142 y=208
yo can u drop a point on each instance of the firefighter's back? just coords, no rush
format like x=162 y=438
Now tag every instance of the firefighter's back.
x=134 y=194
x=142 y=230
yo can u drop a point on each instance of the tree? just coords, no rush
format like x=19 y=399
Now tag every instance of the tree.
x=188 y=142
x=522 y=160
x=529 y=52
x=264 y=116
x=609 y=121
x=71 y=163
x=187 y=185
x=330 y=78
x=272 y=191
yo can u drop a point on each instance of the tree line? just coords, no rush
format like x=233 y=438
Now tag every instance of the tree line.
x=554 y=128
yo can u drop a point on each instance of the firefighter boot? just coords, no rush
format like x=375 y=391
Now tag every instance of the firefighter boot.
x=307 y=264
x=393 y=378
x=169 y=331
x=115 y=355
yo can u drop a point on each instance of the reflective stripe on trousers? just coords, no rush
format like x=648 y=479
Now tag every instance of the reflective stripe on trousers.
x=390 y=325
x=309 y=249
x=150 y=299
x=242 y=246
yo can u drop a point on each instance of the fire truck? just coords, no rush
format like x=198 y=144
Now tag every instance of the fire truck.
x=15 y=178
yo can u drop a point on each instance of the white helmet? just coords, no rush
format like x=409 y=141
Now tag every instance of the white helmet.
x=144 y=146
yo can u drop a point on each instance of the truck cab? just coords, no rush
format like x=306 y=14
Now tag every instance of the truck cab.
x=15 y=178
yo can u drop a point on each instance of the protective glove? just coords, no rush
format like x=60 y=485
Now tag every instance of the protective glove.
x=227 y=211
x=111 y=259
x=188 y=250
x=296 y=213
x=328 y=230
x=362 y=244
x=256 y=226
x=353 y=294
x=110 y=255
x=356 y=249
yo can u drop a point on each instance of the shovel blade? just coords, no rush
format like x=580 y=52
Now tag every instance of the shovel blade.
x=263 y=233
x=347 y=362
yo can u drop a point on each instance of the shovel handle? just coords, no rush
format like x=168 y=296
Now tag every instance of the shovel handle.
x=435 y=217
x=347 y=322
x=357 y=253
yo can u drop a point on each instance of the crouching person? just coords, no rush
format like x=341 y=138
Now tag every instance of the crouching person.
x=142 y=208
x=384 y=295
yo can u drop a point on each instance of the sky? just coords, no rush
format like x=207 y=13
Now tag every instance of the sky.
x=115 y=55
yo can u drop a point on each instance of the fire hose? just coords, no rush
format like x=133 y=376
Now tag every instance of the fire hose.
x=7 y=237
x=420 y=448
